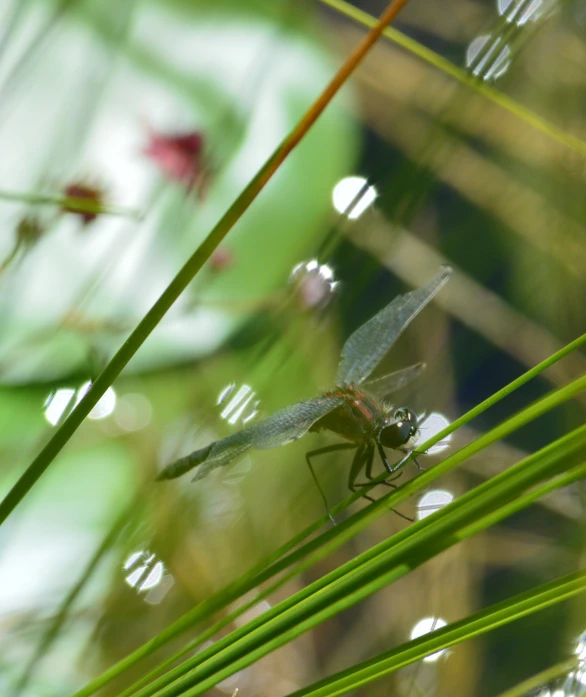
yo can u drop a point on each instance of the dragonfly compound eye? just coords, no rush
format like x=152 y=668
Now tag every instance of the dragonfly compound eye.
x=395 y=435
x=405 y=414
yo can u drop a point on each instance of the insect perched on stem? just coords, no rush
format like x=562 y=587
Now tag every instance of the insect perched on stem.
x=353 y=409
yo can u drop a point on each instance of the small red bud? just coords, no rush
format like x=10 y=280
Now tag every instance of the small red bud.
x=86 y=192
x=29 y=230
x=221 y=259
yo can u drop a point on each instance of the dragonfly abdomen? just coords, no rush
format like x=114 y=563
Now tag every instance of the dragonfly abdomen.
x=186 y=463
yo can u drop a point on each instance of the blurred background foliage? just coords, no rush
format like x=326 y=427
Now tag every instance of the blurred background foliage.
x=92 y=93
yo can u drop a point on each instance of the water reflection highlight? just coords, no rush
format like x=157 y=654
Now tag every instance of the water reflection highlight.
x=145 y=572
x=133 y=412
x=61 y=402
x=431 y=425
x=519 y=11
x=314 y=283
x=424 y=626
x=346 y=191
x=488 y=58
x=432 y=501
x=234 y=410
x=56 y=404
x=105 y=406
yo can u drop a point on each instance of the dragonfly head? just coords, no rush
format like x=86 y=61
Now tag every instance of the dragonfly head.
x=395 y=431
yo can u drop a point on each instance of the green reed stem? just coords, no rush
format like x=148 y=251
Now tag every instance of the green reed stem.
x=448 y=68
x=72 y=203
x=54 y=627
x=542 y=679
x=476 y=625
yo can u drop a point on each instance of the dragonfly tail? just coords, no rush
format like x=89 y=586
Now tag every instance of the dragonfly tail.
x=184 y=464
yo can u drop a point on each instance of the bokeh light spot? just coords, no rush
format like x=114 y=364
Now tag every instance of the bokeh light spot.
x=424 y=626
x=105 y=406
x=346 y=191
x=432 y=501
x=488 y=57
x=56 y=405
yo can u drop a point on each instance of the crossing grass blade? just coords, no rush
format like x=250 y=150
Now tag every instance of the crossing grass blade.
x=476 y=625
x=464 y=78
x=541 y=679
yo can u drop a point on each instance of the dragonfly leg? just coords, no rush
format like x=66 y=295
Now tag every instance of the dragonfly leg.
x=357 y=465
x=323 y=451
x=368 y=471
x=390 y=468
x=408 y=453
x=355 y=469
x=363 y=456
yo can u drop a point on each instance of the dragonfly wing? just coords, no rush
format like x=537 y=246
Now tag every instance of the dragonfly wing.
x=283 y=426
x=387 y=384
x=292 y=422
x=364 y=350
x=220 y=452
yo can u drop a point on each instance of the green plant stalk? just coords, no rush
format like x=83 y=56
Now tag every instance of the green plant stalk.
x=558 y=482
x=52 y=631
x=367 y=515
x=362 y=576
x=477 y=624
x=18 y=245
x=72 y=203
x=448 y=68
x=542 y=678
x=190 y=268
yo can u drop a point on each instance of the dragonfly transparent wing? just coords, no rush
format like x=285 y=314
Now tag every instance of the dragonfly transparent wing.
x=365 y=348
x=387 y=384
x=284 y=426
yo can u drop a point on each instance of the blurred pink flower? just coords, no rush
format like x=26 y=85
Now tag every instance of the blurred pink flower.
x=179 y=156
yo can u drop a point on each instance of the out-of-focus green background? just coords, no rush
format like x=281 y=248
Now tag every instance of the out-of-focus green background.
x=496 y=191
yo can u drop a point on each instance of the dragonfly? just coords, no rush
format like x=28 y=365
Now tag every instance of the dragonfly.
x=354 y=409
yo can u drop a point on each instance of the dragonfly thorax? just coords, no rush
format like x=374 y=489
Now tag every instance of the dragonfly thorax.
x=395 y=431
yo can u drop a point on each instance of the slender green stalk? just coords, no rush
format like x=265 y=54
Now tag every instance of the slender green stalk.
x=11 y=256
x=542 y=679
x=72 y=203
x=53 y=629
x=363 y=575
x=437 y=61
x=354 y=524
x=476 y=625
x=190 y=268
x=573 y=475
